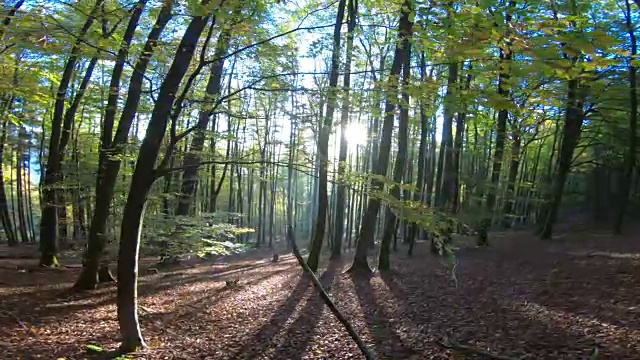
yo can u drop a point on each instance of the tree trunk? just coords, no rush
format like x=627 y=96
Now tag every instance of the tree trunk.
x=457 y=145
x=511 y=182
x=22 y=221
x=10 y=15
x=572 y=129
x=391 y=223
x=367 y=227
x=143 y=177
x=501 y=130
x=49 y=221
x=323 y=144
x=211 y=101
x=7 y=224
x=108 y=173
x=419 y=194
x=336 y=251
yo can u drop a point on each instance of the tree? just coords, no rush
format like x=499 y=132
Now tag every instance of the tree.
x=49 y=222
x=323 y=144
x=143 y=177
x=367 y=227
x=113 y=148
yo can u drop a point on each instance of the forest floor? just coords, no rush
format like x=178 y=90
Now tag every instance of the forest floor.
x=520 y=298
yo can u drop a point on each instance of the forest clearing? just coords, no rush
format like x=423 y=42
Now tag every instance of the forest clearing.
x=522 y=299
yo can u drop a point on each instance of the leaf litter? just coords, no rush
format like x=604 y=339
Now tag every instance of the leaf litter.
x=519 y=299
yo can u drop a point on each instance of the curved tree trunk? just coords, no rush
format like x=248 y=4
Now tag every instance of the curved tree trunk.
x=143 y=177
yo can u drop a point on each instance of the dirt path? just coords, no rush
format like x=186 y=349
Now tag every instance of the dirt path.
x=519 y=298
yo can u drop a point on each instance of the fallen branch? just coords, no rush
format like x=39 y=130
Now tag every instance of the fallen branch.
x=451 y=344
x=368 y=354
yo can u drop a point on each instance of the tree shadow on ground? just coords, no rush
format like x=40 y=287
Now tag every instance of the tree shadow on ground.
x=213 y=296
x=52 y=303
x=152 y=286
x=386 y=341
x=598 y=288
x=300 y=333
x=525 y=297
x=261 y=340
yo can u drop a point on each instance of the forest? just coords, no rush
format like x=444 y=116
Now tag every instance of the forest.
x=319 y=179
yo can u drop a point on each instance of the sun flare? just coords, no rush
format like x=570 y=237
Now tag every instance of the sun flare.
x=356 y=134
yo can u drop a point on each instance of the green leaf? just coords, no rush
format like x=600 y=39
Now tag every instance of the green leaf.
x=91 y=348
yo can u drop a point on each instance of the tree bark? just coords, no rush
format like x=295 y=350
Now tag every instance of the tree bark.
x=143 y=178
x=108 y=173
x=504 y=76
x=391 y=223
x=336 y=250
x=323 y=145
x=574 y=116
x=511 y=181
x=49 y=221
x=367 y=227
x=7 y=224
x=419 y=194
x=192 y=158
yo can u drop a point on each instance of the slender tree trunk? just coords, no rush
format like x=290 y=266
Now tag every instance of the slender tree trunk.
x=367 y=227
x=143 y=177
x=211 y=101
x=323 y=145
x=419 y=194
x=574 y=116
x=22 y=221
x=457 y=146
x=29 y=198
x=49 y=221
x=10 y=15
x=444 y=178
x=504 y=77
x=336 y=251
x=7 y=224
x=511 y=181
x=391 y=223
x=108 y=173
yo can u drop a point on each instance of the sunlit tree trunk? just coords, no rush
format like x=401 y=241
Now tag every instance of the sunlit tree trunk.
x=113 y=149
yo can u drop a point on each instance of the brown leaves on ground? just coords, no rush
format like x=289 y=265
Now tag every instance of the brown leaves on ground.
x=521 y=298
